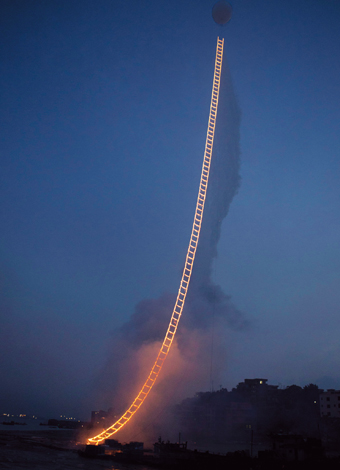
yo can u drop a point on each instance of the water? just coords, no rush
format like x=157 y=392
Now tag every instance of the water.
x=41 y=448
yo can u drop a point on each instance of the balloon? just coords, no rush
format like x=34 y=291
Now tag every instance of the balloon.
x=221 y=12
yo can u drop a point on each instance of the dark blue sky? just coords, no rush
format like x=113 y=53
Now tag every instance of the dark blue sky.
x=104 y=107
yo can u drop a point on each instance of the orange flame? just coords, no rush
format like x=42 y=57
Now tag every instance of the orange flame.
x=191 y=253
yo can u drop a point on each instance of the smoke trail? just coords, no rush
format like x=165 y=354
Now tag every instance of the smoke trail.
x=135 y=345
x=223 y=185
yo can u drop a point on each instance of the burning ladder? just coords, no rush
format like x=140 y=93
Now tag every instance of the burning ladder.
x=191 y=253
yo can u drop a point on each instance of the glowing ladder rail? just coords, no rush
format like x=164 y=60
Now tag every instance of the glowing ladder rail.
x=183 y=289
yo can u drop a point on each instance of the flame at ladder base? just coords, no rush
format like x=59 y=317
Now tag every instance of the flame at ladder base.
x=191 y=253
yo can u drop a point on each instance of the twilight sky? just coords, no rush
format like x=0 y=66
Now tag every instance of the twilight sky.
x=104 y=108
